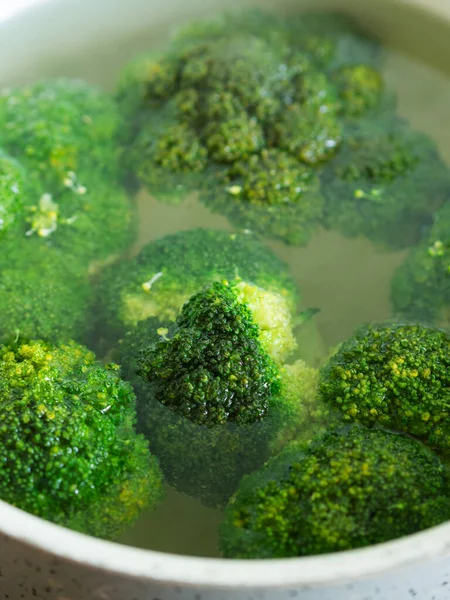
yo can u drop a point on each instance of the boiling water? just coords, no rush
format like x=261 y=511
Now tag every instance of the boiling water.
x=349 y=279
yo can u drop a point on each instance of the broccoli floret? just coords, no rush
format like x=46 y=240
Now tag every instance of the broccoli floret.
x=348 y=489
x=205 y=462
x=63 y=412
x=59 y=126
x=385 y=183
x=253 y=191
x=43 y=293
x=215 y=368
x=421 y=286
x=396 y=376
x=62 y=133
x=169 y=270
x=201 y=454
x=243 y=117
x=12 y=191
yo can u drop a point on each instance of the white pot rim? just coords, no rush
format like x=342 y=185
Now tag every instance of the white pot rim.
x=173 y=569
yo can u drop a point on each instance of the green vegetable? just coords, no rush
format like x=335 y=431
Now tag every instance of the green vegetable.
x=99 y=223
x=245 y=109
x=212 y=403
x=205 y=462
x=61 y=412
x=396 y=376
x=385 y=183
x=216 y=367
x=169 y=270
x=58 y=126
x=11 y=192
x=421 y=286
x=348 y=489
x=62 y=132
x=43 y=293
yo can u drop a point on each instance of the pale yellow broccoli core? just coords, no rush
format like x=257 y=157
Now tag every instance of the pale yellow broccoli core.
x=305 y=414
x=143 y=305
x=272 y=314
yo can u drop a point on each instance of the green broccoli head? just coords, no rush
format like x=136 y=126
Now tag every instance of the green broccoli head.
x=208 y=461
x=396 y=376
x=421 y=285
x=62 y=411
x=214 y=368
x=62 y=132
x=385 y=183
x=245 y=117
x=348 y=489
x=169 y=270
x=12 y=192
x=43 y=293
x=59 y=126
x=205 y=462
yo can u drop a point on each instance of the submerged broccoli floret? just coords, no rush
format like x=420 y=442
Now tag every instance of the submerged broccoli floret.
x=206 y=462
x=12 y=192
x=43 y=293
x=62 y=132
x=93 y=222
x=168 y=271
x=348 y=489
x=216 y=368
x=209 y=395
x=61 y=412
x=421 y=286
x=59 y=126
x=396 y=376
x=245 y=113
x=385 y=183
x=385 y=188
